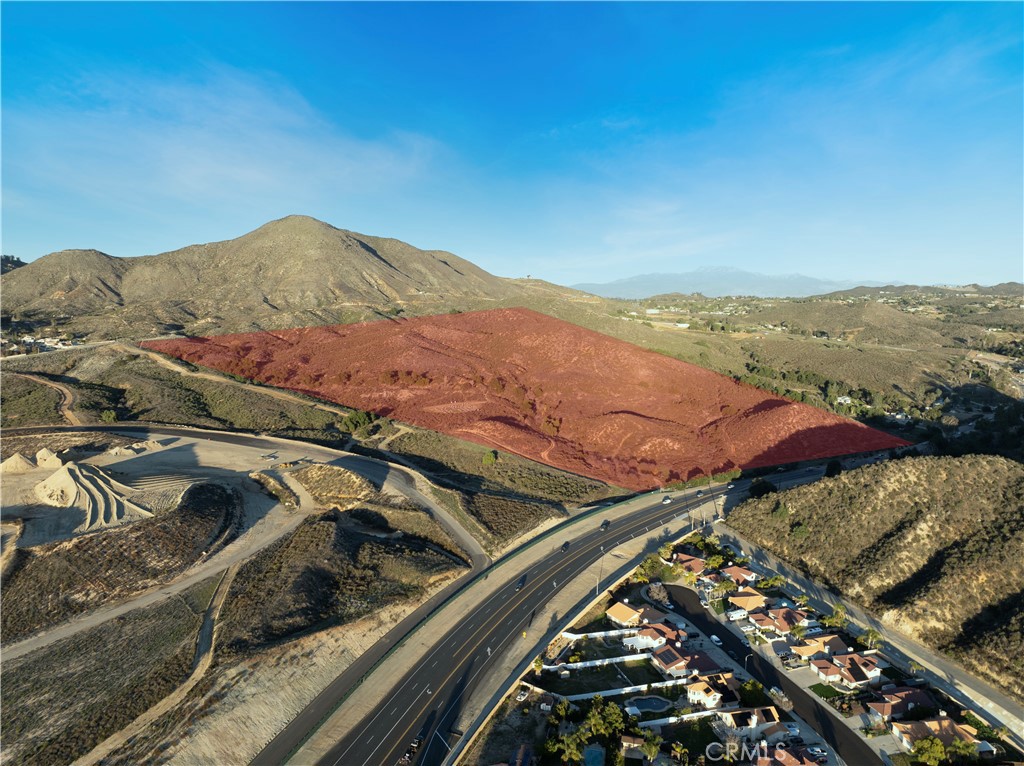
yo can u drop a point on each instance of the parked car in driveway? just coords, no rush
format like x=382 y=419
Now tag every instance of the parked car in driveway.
x=523 y=694
x=792 y=728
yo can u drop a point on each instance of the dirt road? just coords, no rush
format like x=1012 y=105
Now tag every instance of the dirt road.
x=204 y=656
x=67 y=396
x=275 y=393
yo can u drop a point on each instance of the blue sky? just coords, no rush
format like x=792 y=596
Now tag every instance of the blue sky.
x=574 y=142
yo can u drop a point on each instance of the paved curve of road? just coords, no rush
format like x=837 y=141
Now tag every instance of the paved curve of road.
x=430 y=697
x=375 y=470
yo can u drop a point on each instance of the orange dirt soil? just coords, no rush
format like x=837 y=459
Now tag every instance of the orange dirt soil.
x=526 y=383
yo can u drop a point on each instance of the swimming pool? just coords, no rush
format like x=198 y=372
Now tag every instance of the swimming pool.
x=649 y=704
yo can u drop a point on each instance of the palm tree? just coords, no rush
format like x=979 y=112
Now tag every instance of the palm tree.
x=651 y=746
x=802 y=599
x=680 y=753
x=798 y=631
x=916 y=667
x=871 y=638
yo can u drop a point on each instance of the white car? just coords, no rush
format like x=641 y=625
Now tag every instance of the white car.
x=523 y=694
x=715 y=640
x=817 y=752
x=792 y=728
x=666 y=500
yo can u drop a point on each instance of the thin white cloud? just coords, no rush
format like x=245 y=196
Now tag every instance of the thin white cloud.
x=226 y=141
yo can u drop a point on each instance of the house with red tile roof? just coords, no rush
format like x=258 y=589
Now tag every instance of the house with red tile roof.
x=854 y=671
x=680 y=663
x=944 y=729
x=897 y=701
x=740 y=575
x=653 y=636
x=688 y=563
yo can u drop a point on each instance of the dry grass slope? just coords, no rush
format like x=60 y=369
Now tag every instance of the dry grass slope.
x=328 y=572
x=49 y=584
x=61 y=701
x=934 y=546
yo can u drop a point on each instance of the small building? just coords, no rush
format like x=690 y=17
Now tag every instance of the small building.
x=897 y=701
x=691 y=564
x=676 y=662
x=623 y=615
x=748 y=599
x=740 y=575
x=854 y=671
x=943 y=728
x=714 y=690
x=753 y=723
x=653 y=636
x=820 y=647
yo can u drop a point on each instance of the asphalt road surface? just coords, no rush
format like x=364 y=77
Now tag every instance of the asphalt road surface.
x=850 y=747
x=430 y=697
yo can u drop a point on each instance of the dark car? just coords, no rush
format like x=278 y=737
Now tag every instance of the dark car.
x=565 y=546
x=605 y=524
x=796 y=740
x=700 y=493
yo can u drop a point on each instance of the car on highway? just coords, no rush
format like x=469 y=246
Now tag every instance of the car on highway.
x=700 y=493
x=715 y=640
x=605 y=524
x=730 y=485
x=666 y=500
x=565 y=546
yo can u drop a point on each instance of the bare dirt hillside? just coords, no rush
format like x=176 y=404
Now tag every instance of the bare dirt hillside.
x=933 y=545
x=542 y=388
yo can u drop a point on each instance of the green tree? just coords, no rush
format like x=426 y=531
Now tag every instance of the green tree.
x=871 y=638
x=916 y=667
x=930 y=750
x=614 y=721
x=962 y=750
x=651 y=746
x=680 y=754
x=715 y=562
x=838 y=618
x=801 y=599
x=490 y=457
x=798 y=631
x=108 y=416
x=538 y=664
x=570 y=745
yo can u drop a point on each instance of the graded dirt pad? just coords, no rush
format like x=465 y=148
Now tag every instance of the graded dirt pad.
x=545 y=389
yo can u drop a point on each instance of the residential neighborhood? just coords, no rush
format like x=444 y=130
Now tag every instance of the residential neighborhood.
x=685 y=697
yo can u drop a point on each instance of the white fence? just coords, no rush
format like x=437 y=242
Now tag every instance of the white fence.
x=677 y=718
x=602 y=634
x=629 y=689
x=598 y=663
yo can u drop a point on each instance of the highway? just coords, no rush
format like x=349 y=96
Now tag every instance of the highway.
x=429 y=698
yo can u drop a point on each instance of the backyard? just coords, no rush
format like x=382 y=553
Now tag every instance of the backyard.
x=600 y=679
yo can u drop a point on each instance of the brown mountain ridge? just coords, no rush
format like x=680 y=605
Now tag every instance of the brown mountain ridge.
x=292 y=271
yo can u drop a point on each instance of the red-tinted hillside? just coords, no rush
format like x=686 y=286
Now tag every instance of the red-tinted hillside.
x=526 y=383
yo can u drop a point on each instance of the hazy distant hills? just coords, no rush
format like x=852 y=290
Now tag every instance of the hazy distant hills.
x=293 y=271
x=715 y=282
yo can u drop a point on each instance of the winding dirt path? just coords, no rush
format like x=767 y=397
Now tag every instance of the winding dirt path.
x=67 y=396
x=276 y=393
x=205 y=644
